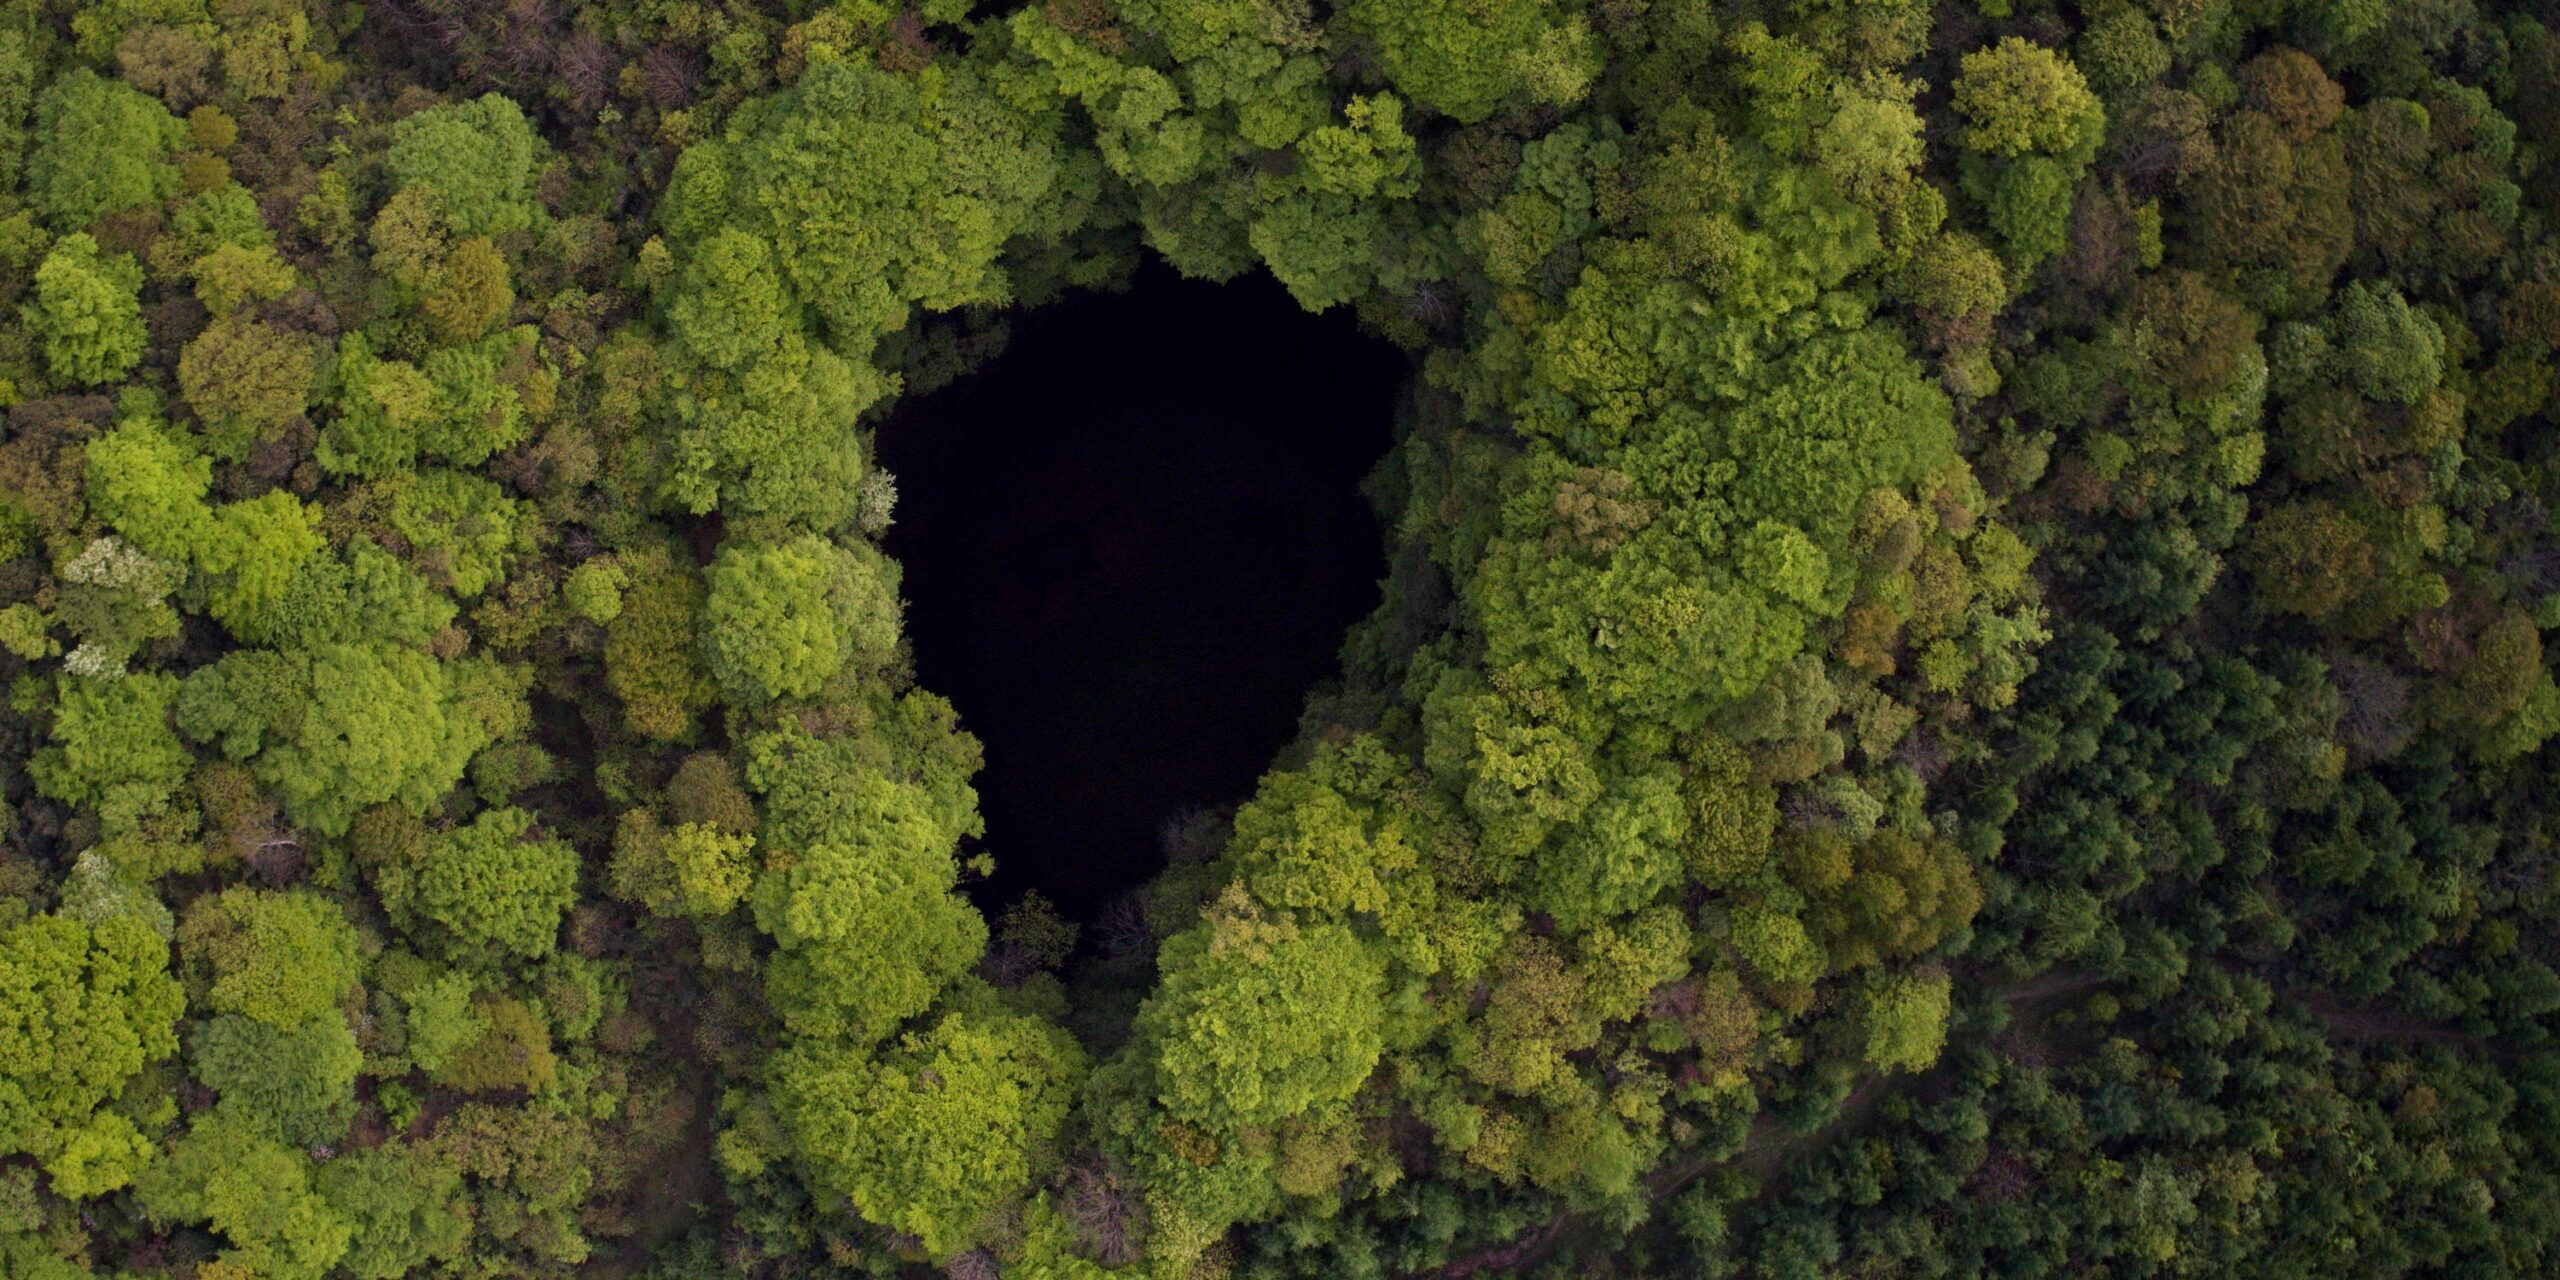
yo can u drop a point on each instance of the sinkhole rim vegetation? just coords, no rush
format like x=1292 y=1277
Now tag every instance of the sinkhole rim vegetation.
x=1960 y=682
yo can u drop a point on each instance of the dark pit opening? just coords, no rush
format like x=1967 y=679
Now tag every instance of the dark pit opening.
x=1132 y=543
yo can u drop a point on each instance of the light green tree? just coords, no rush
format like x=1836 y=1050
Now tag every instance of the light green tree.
x=87 y=311
x=463 y=530
x=112 y=748
x=2020 y=97
x=102 y=147
x=492 y=886
x=283 y=959
x=406 y=1209
x=728 y=305
x=246 y=380
x=382 y=407
x=653 y=650
x=336 y=728
x=782 y=619
x=82 y=1009
x=1906 y=1020
x=477 y=157
x=253 y=1190
x=255 y=557
x=873 y=196
x=2386 y=349
x=1470 y=60
x=233 y=276
x=149 y=486
x=868 y=926
x=293 y=1084
x=938 y=1133
x=1256 y=1020
x=690 y=869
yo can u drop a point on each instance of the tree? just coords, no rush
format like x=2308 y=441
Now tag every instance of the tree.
x=406 y=1210
x=232 y=277
x=1301 y=845
x=776 y=446
x=115 y=599
x=936 y=1135
x=2027 y=203
x=17 y=92
x=2386 y=349
x=283 y=959
x=872 y=198
x=860 y=902
x=593 y=590
x=1467 y=61
x=463 y=530
x=410 y=238
x=475 y=412
x=1537 y=1011
x=511 y=1049
x=692 y=869
x=87 y=312
x=225 y=217
x=82 y=1009
x=1776 y=945
x=1731 y=817
x=258 y=558
x=1255 y=1020
x=2503 y=700
x=102 y=147
x=148 y=485
x=383 y=406
x=477 y=157
x=1317 y=221
x=293 y=1084
x=781 y=620
x=1906 y=1020
x=470 y=294
x=652 y=654
x=336 y=728
x=492 y=886
x=1625 y=849
x=1886 y=897
x=253 y=1190
x=2023 y=98
x=1872 y=143
x=2310 y=558
x=442 y=1019
x=2121 y=51
x=246 y=380
x=2293 y=89
x=1519 y=775
x=113 y=750
x=728 y=305
x=2275 y=204
x=2199 y=340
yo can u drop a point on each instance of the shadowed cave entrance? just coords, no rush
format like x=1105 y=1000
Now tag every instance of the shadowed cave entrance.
x=1132 y=542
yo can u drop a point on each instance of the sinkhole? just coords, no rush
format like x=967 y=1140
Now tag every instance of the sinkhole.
x=1132 y=542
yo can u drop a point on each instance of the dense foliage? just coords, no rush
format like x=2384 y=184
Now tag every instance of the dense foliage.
x=1962 y=685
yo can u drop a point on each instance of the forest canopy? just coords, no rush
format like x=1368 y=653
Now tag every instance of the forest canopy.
x=1960 y=685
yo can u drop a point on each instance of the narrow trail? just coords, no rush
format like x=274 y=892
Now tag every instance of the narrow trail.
x=682 y=1180
x=1770 y=1149
x=668 y=1203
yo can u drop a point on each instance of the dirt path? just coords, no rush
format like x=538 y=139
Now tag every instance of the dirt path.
x=670 y=1198
x=2373 y=1022
x=1770 y=1149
